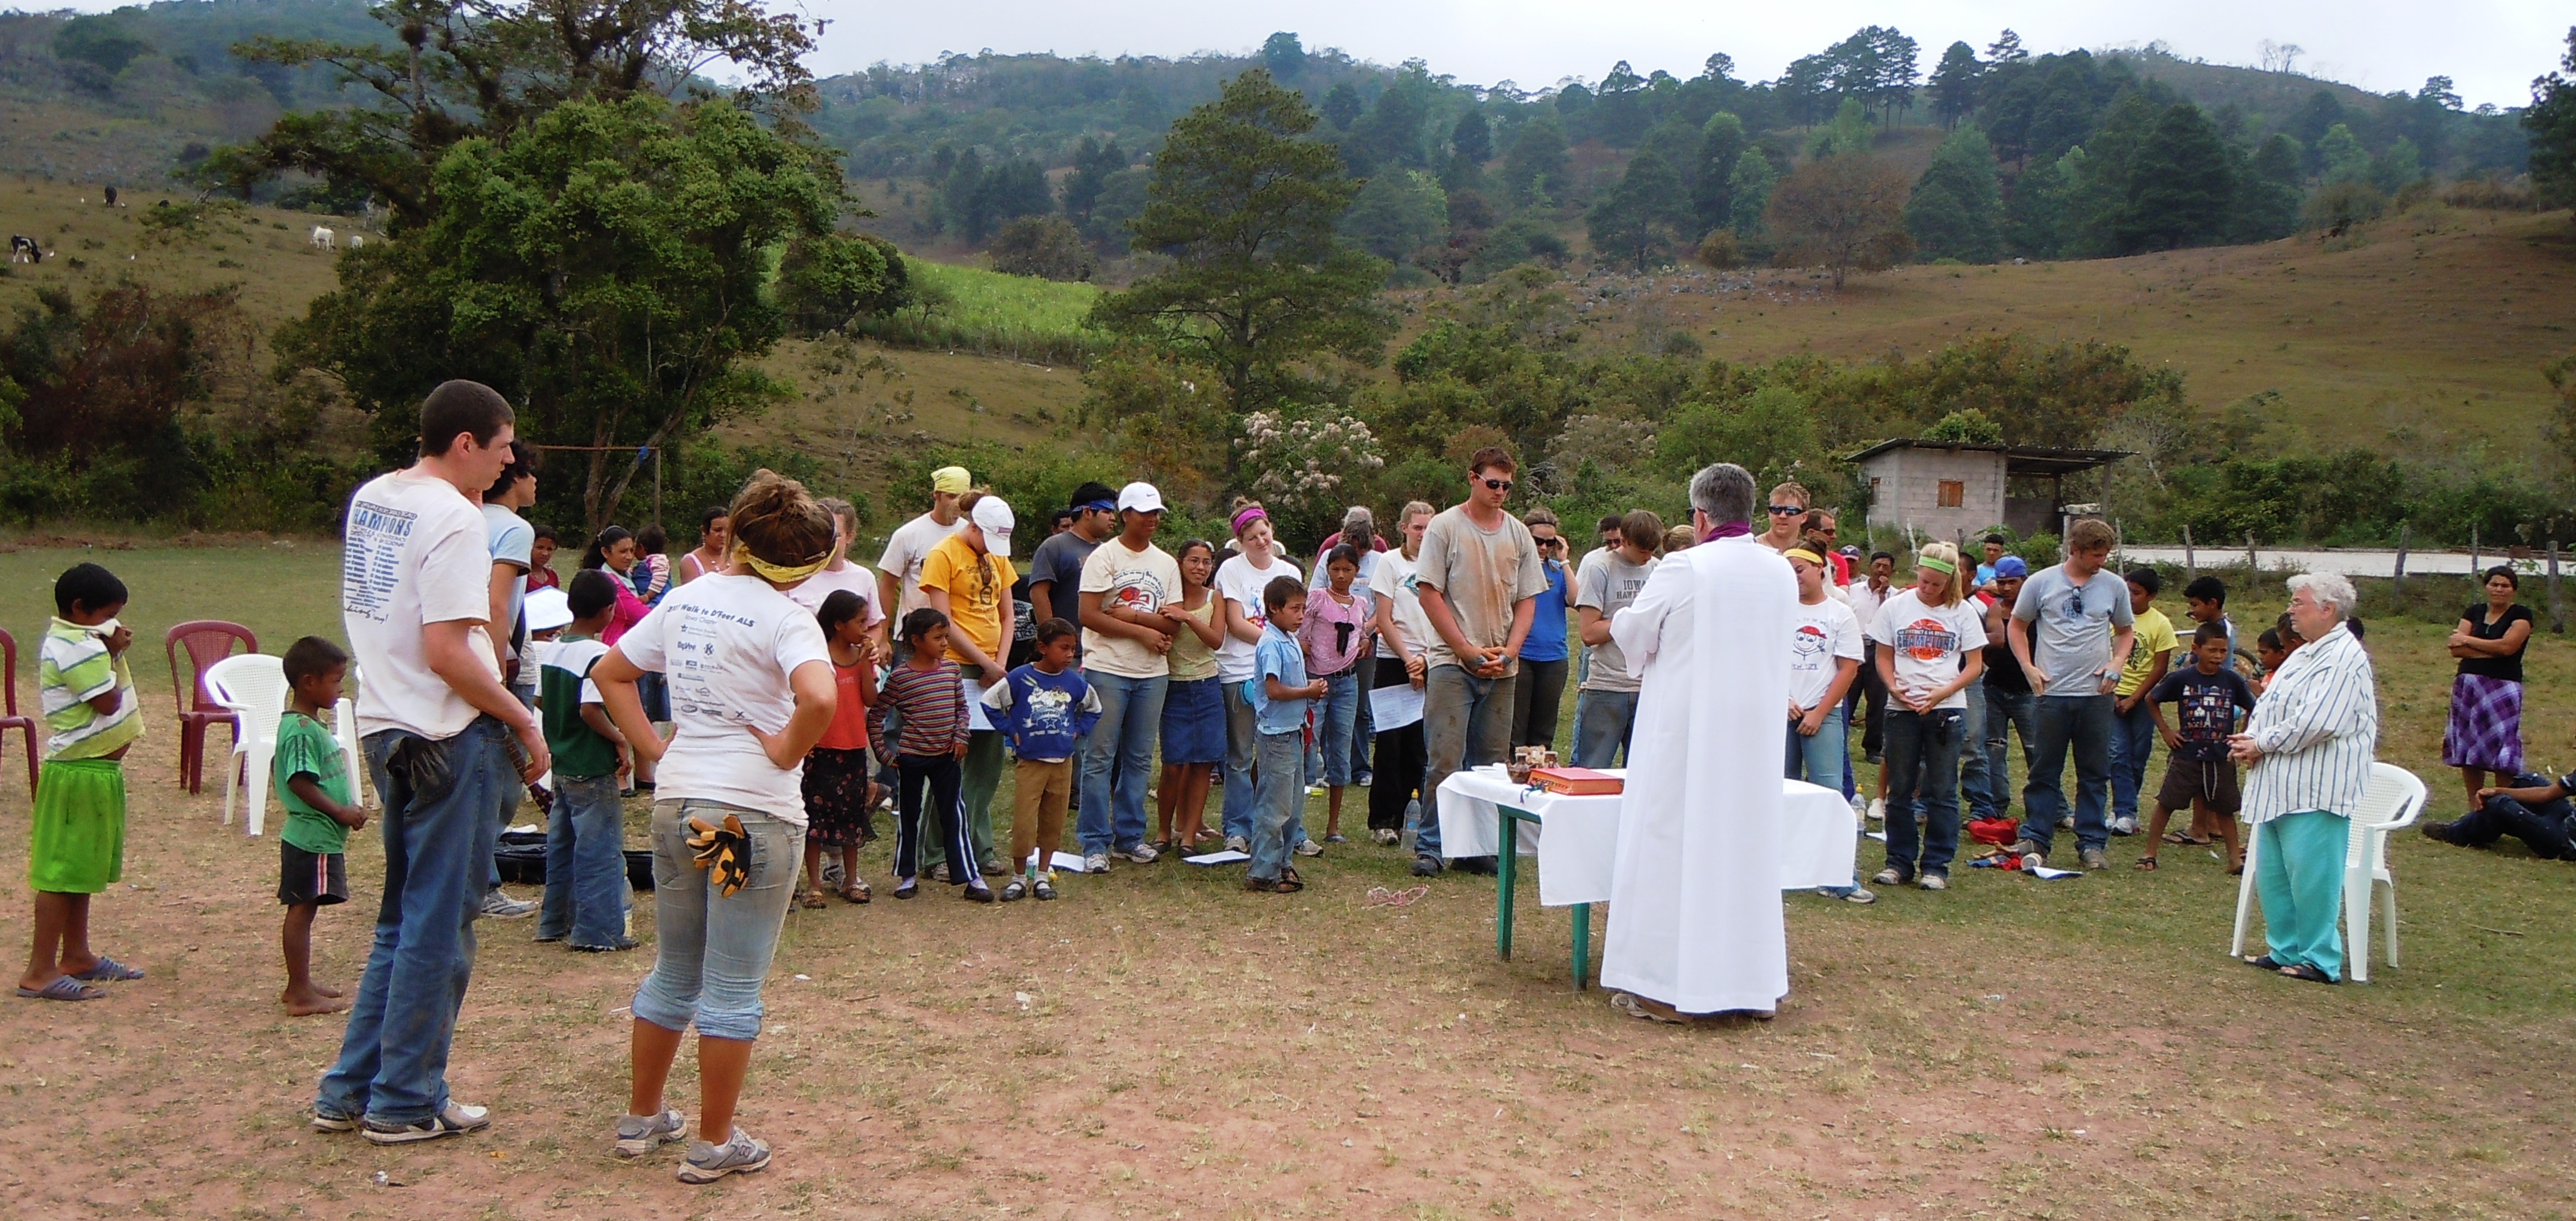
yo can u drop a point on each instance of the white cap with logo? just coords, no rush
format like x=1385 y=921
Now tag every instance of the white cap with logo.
x=1142 y=497
x=993 y=516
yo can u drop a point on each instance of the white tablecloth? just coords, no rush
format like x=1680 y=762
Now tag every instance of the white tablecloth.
x=1578 y=837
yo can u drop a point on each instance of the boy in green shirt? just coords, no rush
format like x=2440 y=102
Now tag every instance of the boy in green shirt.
x=586 y=891
x=76 y=840
x=311 y=776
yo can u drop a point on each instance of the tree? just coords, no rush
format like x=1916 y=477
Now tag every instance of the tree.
x=2180 y=185
x=2551 y=123
x=466 y=69
x=1397 y=213
x=2035 y=215
x=607 y=268
x=1473 y=137
x=1643 y=214
x=1843 y=213
x=1894 y=68
x=1391 y=132
x=2396 y=165
x=1244 y=206
x=2006 y=49
x=1954 y=210
x=1283 y=55
x=1342 y=105
x=1721 y=144
x=2267 y=193
x=1847 y=135
x=2345 y=159
x=100 y=40
x=1748 y=193
x=1954 y=84
x=1535 y=168
x=1043 y=246
x=825 y=280
x=1093 y=163
x=1009 y=191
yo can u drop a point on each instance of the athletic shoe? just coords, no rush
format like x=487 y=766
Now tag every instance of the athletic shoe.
x=620 y=945
x=1143 y=853
x=1095 y=862
x=1236 y=843
x=325 y=1121
x=1889 y=877
x=2442 y=832
x=740 y=1155
x=1365 y=779
x=1933 y=881
x=1426 y=866
x=456 y=1120
x=1386 y=838
x=502 y=907
x=978 y=892
x=2066 y=822
x=1878 y=809
x=2094 y=859
x=2124 y=826
x=1309 y=847
x=1016 y=891
x=638 y=1135
x=1848 y=894
x=938 y=872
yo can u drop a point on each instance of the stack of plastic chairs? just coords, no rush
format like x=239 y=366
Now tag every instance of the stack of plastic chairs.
x=252 y=686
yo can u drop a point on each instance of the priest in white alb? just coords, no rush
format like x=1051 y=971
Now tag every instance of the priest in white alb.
x=1696 y=926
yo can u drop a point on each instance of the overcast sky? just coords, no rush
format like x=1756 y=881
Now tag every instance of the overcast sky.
x=2491 y=47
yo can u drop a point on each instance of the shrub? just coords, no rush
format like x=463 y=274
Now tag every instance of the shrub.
x=1721 y=250
x=1044 y=246
x=824 y=282
x=2495 y=194
x=2338 y=207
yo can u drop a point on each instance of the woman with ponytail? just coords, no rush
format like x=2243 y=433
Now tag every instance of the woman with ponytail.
x=756 y=692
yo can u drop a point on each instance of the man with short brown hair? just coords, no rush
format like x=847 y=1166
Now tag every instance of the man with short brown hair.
x=1477 y=576
x=2071 y=633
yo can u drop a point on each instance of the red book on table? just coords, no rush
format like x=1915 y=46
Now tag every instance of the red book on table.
x=1575 y=781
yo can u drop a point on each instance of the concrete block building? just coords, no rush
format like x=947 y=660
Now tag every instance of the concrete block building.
x=1947 y=490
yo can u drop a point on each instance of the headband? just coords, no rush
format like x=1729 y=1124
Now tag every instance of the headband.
x=1097 y=506
x=1801 y=553
x=1937 y=564
x=784 y=574
x=1251 y=513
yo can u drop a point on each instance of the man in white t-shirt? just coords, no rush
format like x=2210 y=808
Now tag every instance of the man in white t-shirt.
x=1605 y=704
x=899 y=569
x=443 y=740
x=1126 y=646
x=513 y=544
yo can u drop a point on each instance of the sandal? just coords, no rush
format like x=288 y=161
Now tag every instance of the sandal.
x=64 y=988
x=809 y=899
x=857 y=892
x=1289 y=882
x=2146 y=864
x=107 y=969
x=2177 y=837
x=2262 y=962
x=2308 y=972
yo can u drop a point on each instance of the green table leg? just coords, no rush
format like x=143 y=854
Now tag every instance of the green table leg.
x=1505 y=870
x=1582 y=946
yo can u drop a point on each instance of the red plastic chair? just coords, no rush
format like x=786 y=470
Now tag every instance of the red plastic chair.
x=207 y=641
x=9 y=670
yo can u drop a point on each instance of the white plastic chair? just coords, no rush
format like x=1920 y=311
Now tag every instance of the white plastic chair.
x=344 y=727
x=2392 y=802
x=252 y=685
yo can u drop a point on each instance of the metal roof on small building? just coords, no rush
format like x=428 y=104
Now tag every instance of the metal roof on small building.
x=2018 y=459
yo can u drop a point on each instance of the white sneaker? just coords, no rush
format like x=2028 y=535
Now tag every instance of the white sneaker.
x=502 y=907
x=1309 y=848
x=455 y=1120
x=1933 y=881
x=1143 y=854
x=638 y=1135
x=1236 y=843
x=2124 y=826
x=1878 y=809
x=1097 y=862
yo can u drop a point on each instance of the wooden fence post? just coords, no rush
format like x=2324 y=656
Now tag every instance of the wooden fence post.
x=2397 y=584
x=2557 y=609
x=2252 y=561
x=2190 y=560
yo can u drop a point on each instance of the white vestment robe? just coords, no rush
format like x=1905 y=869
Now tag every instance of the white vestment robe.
x=1695 y=908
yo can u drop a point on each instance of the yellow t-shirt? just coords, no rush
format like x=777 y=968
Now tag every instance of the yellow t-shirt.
x=2155 y=635
x=977 y=587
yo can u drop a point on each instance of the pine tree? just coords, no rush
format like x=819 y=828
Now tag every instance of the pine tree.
x=1472 y=137
x=2551 y=122
x=2006 y=49
x=1535 y=168
x=2180 y=185
x=2267 y=192
x=1341 y=106
x=1954 y=84
x=1748 y=193
x=1954 y=211
x=1721 y=144
x=1640 y=216
x=1284 y=55
x=2035 y=215
x=2095 y=198
x=2343 y=157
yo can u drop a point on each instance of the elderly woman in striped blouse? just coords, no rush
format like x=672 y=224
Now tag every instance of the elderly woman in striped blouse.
x=2309 y=746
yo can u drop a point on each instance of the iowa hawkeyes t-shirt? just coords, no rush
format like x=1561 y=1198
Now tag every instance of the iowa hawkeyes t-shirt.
x=1137 y=581
x=1821 y=636
x=1927 y=642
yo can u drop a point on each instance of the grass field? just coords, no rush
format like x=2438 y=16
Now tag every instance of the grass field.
x=1021 y=318
x=1161 y=1044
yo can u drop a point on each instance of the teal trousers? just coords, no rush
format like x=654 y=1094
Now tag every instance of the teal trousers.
x=2298 y=874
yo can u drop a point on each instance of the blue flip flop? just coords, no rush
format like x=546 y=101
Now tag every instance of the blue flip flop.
x=109 y=969
x=64 y=988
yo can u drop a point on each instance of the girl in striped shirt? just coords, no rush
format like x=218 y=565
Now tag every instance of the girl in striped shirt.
x=928 y=695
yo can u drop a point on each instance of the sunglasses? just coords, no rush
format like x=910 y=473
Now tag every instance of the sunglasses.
x=1551 y=542
x=1499 y=485
x=1784 y=510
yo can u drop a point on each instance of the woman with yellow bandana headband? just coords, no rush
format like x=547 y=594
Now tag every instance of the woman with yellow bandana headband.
x=751 y=691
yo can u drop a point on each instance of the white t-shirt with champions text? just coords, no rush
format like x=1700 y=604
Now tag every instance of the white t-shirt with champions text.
x=726 y=646
x=415 y=552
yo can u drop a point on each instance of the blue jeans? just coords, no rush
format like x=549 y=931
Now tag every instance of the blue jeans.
x=438 y=797
x=1818 y=758
x=2083 y=723
x=1242 y=752
x=1282 y=801
x=586 y=891
x=2006 y=711
x=1466 y=721
x=1923 y=750
x=2133 y=745
x=1363 y=720
x=1336 y=719
x=1601 y=723
x=1112 y=815
x=1975 y=788
x=713 y=950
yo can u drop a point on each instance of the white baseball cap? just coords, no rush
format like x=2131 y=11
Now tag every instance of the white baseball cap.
x=1142 y=497
x=993 y=516
x=547 y=609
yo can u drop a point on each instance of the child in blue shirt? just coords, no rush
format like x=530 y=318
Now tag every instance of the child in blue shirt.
x=1279 y=693
x=1044 y=709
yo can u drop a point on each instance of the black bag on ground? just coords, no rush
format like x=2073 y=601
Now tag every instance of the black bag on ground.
x=521 y=856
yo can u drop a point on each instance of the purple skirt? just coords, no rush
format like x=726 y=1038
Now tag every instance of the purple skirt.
x=2486 y=724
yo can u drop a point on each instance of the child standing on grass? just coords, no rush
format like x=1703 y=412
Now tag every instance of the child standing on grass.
x=586 y=888
x=838 y=792
x=1279 y=693
x=311 y=776
x=1044 y=709
x=1335 y=636
x=2209 y=693
x=927 y=695
x=76 y=843
x=1194 y=703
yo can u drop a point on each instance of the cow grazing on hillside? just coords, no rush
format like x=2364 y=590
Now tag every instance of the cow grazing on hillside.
x=357 y=241
x=324 y=239
x=23 y=249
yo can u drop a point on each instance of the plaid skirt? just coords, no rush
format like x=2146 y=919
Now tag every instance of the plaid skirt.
x=2486 y=724
x=836 y=799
